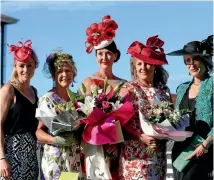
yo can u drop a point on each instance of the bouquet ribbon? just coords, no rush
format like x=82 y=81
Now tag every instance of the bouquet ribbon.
x=100 y=127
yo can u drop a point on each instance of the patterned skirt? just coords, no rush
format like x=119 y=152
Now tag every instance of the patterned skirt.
x=20 y=152
x=55 y=160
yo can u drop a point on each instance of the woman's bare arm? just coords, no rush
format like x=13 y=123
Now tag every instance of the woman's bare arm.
x=6 y=97
x=42 y=136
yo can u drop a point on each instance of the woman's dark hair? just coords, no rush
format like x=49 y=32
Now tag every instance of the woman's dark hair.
x=54 y=61
x=206 y=60
x=113 y=48
x=160 y=74
x=52 y=68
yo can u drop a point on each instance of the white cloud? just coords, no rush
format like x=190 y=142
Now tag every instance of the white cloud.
x=15 y=5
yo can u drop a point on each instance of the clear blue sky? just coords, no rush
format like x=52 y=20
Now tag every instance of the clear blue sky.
x=62 y=24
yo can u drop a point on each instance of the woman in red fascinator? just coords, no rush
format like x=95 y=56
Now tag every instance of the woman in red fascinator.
x=147 y=87
x=100 y=37
x=18 y=123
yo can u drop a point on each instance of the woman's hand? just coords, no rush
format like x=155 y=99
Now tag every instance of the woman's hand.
x=148 y=140
x=5 y=169
x=199 y=151
x=64 y=140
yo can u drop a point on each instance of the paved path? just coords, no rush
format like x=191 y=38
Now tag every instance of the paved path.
x=169 y=161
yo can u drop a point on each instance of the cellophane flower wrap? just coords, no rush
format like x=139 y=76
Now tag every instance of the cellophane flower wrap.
x=162 y=121
x=60 y=117
x=105 y=110
x=106 y=113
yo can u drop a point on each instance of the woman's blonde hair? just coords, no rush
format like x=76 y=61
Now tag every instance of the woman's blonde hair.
x=160 y=74
x=133 y=69
x=14 y=76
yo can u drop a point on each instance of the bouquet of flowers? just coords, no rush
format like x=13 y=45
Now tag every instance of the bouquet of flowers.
x=104 y=110
x=106 y=113
x=61 y=117
x=162 y=121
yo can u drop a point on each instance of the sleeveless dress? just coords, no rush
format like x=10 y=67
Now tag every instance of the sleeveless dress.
x=56 y=159
x=135 y=162
x=20 y=139
x=90 y=150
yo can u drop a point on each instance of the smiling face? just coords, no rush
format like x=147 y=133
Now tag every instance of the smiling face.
x=195 y=65
x=25 y=71
x=64 y=75
x=105 y=58
x=144 y=71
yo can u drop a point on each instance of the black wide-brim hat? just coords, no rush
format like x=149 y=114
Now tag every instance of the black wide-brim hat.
x=203 y=48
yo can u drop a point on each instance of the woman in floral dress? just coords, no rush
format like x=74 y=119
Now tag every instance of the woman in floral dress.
x=148 y=87
x=60 y=153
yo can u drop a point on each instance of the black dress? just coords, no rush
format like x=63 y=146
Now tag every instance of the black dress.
x=20 y=139
x=199 y=168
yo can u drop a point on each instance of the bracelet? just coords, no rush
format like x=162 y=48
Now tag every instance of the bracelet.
x=205 y=149
x=2 y=158
x=203 y=146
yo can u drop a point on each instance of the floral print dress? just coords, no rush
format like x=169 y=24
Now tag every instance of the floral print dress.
x=135 y=162
x=55 y=159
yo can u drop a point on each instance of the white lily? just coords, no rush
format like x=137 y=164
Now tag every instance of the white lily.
x=116 y=105
x=88 y=105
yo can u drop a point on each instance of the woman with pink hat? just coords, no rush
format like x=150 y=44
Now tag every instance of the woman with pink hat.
x=148 y=87
x=18 y=158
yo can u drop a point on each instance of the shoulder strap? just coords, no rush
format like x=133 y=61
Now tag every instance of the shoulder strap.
x=35 y=92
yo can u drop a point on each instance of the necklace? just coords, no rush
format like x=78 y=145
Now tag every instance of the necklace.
x=196 y=84
x=99 y=75
x=149 y=85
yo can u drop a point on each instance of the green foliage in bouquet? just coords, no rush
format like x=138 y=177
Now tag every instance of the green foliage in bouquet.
x=69 y=106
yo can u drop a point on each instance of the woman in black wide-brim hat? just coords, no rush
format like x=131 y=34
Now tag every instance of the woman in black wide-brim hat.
x=197 y=96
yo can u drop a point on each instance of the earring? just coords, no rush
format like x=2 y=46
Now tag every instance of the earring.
x=72 y=84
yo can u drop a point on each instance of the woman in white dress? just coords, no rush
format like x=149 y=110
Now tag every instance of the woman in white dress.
x=106 y=55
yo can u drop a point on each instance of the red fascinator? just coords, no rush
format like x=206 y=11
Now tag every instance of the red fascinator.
x=100 y=35
x=151 y=53
x=22 y=52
